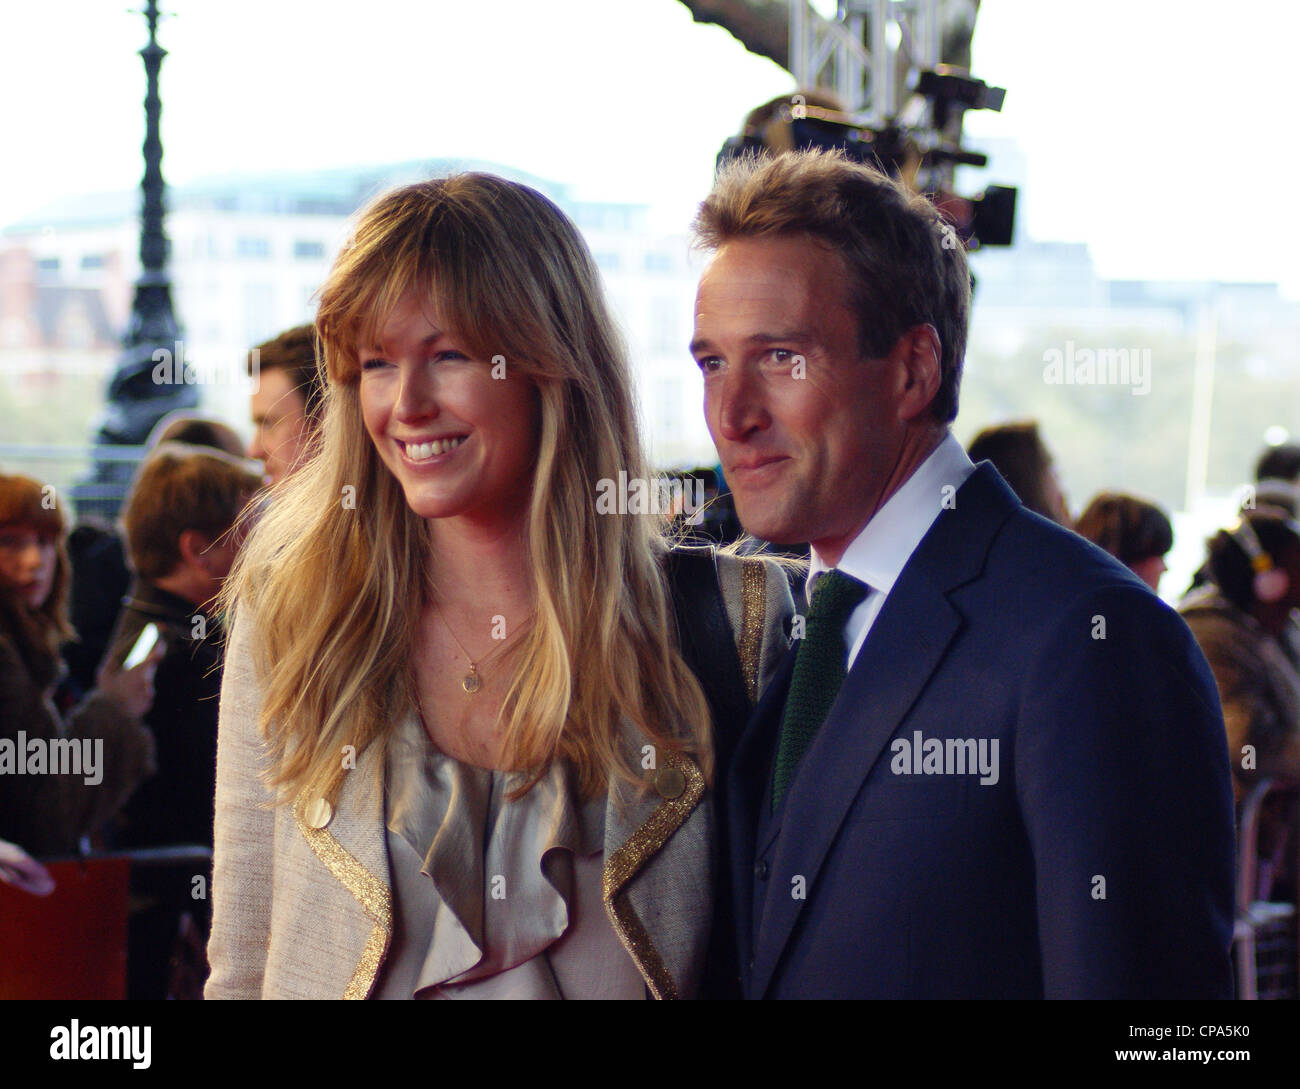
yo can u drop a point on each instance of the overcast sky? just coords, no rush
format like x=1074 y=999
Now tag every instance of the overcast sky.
x=1157 y=131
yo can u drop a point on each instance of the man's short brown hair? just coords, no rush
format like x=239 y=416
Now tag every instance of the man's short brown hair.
x=294 y=352
x=182 y=487
x=907 y=265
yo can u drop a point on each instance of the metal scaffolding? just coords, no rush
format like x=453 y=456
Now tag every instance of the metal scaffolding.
x=867 y=52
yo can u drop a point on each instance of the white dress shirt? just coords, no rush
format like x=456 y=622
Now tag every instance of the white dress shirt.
x=879 y=553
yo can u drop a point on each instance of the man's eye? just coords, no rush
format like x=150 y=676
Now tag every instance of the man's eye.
x=709 y=364
x=782 y=355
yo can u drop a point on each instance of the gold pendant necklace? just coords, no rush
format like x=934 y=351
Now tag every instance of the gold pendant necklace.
x=472 y=682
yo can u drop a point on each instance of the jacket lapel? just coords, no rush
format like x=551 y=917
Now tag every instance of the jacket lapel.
x=860 y=723
x=747 y=781
x=351 y=840
x=908 y=640
x=660 y=912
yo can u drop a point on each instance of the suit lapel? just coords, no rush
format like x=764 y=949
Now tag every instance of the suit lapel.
x=352 y=844
x=865 y=715
x=746 y=792
x=908 y=640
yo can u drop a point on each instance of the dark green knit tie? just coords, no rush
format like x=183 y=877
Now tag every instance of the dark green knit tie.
x=819 y=670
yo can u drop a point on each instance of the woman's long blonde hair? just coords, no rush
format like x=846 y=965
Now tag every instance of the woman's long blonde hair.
x=333 y=587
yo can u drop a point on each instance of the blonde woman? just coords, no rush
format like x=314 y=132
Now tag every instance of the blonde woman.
x=461 y=753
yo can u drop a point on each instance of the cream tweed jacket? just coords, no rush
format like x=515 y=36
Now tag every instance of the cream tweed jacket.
x=302 y=894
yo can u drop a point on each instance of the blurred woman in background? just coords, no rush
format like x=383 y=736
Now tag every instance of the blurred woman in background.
x=1022 y=459
x=47 y=813
x=1240 y=619
x=1137 y=533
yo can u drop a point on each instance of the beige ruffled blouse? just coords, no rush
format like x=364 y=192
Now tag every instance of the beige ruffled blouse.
x=495 y=898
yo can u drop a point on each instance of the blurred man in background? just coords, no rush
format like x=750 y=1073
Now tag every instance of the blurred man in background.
x=287 y=394
x=181 y=521
x=183 y=530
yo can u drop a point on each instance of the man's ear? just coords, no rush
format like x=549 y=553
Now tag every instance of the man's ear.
x=193 y=547
x=919 y=354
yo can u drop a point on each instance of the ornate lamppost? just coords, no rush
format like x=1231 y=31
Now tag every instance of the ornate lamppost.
x=135 y=400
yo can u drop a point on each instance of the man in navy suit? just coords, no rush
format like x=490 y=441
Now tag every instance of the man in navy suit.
x=993 y=764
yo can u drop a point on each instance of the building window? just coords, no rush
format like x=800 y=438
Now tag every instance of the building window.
x=92 y=261
x=259 y=248
x=307 y=250
x=607 y=262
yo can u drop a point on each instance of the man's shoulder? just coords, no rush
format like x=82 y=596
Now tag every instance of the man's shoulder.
x=996 y=555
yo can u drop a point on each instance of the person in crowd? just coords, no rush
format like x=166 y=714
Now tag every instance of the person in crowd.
x=1268 y=493
x=461 y=751
x=191 y=430
x=1134 y=531
x=1279 y=462
x=1022 y=459
x=182 y=528
x=993 y=765
x=285 y=404
x=183 y=531
x=771 y=128
x=1241 y=619
x=1244 y=618
x=100 y=576
x=63 y=771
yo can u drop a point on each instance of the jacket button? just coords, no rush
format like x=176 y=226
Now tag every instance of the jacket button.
x=669 y=782
x=319 y=813
x=760 y=870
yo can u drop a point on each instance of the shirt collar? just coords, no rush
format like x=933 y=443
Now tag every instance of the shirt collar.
x=879 y=552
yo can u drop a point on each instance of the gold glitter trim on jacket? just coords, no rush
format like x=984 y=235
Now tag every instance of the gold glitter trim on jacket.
x=753 y=598
x=627 y=861
x=368 y=967
x=636 y=940
x=371 y=893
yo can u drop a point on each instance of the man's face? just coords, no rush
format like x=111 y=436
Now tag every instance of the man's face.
x=280 y=429
x=809 y=434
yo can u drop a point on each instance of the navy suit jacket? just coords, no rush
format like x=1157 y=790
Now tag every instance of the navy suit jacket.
x=1099 y=864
